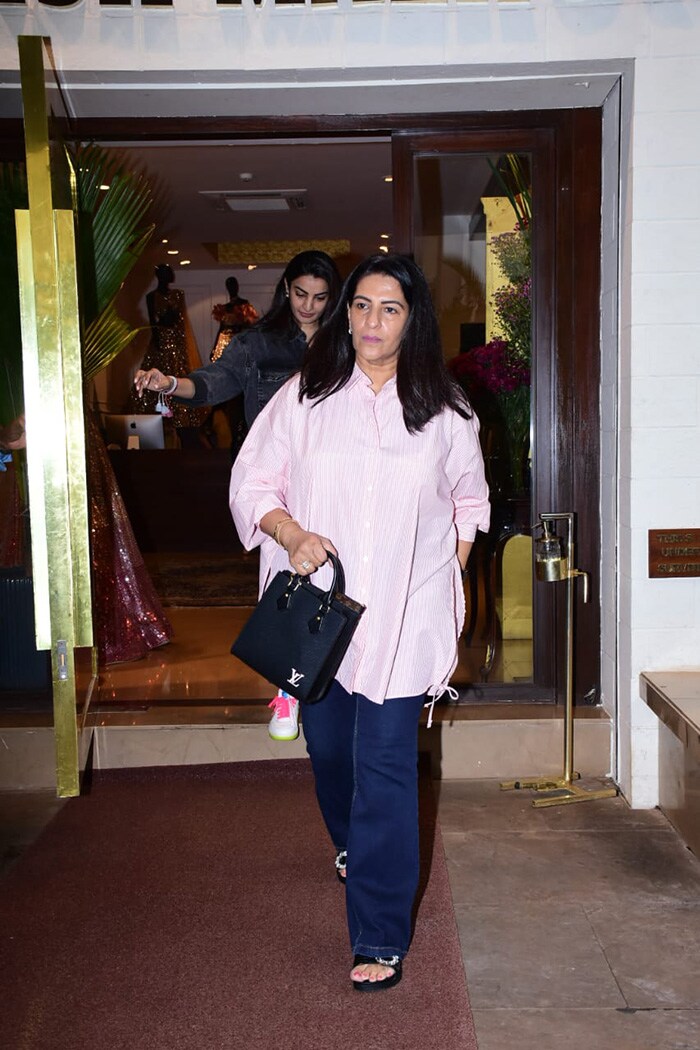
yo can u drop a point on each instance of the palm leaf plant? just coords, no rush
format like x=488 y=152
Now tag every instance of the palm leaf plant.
x=111 y=234
x=514 y=181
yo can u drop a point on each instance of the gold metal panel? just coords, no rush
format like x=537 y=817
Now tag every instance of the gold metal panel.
x=55 y=428
x=32 y=411
x=40 y=285
x=78 y=524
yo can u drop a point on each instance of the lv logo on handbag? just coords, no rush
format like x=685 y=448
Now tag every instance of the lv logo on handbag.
x=297 y=635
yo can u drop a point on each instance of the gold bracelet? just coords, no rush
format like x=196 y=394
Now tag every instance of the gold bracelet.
x=287 y=522
x=280 y=523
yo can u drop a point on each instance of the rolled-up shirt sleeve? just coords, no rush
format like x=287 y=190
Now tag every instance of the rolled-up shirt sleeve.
x=260 y=473
x=464 y=468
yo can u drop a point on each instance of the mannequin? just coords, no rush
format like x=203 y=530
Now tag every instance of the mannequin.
x=234 y=316
x=228 y=419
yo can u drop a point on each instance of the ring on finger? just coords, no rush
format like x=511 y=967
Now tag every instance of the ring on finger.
x=306 y=565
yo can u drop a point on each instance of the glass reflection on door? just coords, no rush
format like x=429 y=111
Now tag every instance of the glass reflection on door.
x=472 y=226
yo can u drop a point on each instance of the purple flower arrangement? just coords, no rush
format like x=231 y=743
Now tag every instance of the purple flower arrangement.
x=491 y=367
x=502 y=366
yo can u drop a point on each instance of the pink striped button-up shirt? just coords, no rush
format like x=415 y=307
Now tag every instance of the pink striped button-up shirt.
x=392 y=503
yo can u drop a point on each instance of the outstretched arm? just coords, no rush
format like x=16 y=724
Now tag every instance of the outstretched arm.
x=159 y=383
x=209 y=385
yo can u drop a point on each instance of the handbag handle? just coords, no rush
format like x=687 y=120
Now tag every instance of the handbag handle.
x=337 y=584
x=338 y=581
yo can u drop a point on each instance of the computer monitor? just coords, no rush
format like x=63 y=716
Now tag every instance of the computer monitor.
x=147 y=428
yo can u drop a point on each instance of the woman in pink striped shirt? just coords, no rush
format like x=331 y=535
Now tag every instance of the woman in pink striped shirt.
x=372 y=452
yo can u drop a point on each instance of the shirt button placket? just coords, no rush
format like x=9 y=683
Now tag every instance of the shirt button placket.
x=368 y=509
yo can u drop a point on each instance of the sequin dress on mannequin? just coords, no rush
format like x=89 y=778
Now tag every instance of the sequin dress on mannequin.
x=234 y=317
x=228 y=419
x=172 y=348
x=127 y=614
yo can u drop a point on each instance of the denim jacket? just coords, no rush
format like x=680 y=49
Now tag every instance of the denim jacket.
x=255 y=363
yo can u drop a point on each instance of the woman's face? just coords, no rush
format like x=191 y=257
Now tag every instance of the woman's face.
x=378 y=315
x=308 y=298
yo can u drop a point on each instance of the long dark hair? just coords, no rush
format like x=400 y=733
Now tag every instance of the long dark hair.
x=423 y=384
x=279 y=317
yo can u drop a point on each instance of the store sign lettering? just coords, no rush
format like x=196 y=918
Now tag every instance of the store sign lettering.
x=146 y=4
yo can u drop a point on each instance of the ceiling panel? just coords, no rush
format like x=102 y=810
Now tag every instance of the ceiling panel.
x=345 y=195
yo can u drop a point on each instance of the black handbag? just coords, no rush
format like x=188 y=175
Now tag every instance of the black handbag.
x=298 y=634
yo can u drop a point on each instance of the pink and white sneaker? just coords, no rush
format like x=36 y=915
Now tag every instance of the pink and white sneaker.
x=284 y=724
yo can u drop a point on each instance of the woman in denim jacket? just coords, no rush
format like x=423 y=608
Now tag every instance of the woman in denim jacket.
x=259 y=360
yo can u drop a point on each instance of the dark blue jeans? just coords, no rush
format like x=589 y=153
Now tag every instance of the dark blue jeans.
x=365 y=761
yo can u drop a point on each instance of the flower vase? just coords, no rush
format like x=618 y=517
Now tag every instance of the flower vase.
x=519 y=454
x=515 y=413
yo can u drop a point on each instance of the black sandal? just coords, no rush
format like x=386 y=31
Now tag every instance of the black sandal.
x=387 y=982
x=341 y=862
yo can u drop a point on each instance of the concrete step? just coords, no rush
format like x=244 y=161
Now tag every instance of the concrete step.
x=503 y=741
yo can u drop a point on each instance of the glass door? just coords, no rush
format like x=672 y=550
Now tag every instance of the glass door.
x=472 y=221
x=479 y=211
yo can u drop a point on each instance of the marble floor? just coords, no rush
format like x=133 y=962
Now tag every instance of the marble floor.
x=580 y=925
x=197 y=665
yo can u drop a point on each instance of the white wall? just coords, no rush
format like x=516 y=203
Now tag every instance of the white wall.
x=653 y=477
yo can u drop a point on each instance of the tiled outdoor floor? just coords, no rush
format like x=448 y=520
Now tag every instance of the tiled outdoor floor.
x=580 y=925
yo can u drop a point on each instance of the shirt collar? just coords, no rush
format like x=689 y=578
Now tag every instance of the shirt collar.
x=358 y=376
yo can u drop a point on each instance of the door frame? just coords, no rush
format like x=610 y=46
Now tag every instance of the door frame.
x=572 y=177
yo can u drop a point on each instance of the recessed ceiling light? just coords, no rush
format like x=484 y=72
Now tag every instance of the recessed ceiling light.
x=173 y=251
x=185 y=262
x=383 y=248
x=388 y=178
x=164 y=241
x=252 y=266
x=104 y=186
x=384 y=236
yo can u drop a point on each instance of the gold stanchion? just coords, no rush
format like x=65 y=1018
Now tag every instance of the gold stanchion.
x=552 y=566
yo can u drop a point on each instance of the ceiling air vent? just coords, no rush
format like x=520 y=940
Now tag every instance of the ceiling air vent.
x=260 y=200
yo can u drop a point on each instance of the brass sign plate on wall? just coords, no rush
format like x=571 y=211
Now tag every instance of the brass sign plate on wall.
x=674 y=552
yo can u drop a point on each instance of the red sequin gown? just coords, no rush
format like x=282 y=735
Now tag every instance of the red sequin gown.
x=128 y=617
x=12 y=522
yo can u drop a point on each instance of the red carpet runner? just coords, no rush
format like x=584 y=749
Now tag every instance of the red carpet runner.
x=196 y=908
